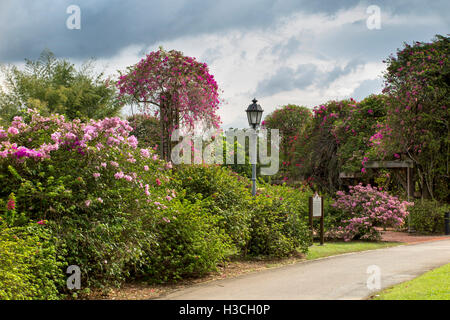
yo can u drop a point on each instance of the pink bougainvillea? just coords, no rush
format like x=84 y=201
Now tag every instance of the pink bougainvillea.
x=178 y=89
x=107 y=144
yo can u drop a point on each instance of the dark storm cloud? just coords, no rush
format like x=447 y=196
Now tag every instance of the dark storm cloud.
x=328 y=77
x=27 y=27
x=286 y=79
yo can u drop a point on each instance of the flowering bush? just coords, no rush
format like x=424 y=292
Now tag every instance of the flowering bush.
x=92 y=183
x=118 y=211
x=338 y=139
x=366 y=207
x=417 y=87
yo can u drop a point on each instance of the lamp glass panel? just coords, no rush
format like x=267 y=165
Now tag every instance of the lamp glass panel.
x=254 y=117
x=259 y=115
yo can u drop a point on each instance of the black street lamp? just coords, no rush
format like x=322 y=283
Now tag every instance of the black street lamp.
x=254 y=114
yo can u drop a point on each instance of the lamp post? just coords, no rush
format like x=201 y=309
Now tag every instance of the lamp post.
x=254 y=114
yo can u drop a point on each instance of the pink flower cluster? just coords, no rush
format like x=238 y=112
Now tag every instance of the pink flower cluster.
x=176 y=81
x=75 y=136
x=108 y=143
x=368 y=207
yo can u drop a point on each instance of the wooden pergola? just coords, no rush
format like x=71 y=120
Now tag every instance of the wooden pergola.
x=399 y=165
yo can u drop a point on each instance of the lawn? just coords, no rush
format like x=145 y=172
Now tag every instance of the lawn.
x=339 y=247
x=433 y=285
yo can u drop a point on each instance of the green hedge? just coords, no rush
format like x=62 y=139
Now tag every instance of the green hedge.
x=188 y=243
x=30 y=267
x=224 y=194
x=427 y=216
x=279 y=222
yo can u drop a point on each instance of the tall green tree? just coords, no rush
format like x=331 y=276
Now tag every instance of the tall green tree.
x=54 y=85
x=291 y=120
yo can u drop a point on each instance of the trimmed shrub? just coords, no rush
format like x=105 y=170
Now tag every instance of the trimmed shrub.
x=225 y=195
x=278 y=225
x=427 y=216
x=189 y=244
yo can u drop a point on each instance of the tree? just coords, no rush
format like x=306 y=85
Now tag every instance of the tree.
x=145 y=129
x=179 y=89
x=54 y=85
x=338 y=139
x=291 y=120
x=417 y=83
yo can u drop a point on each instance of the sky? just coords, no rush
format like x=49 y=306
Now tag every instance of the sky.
x=277 y=51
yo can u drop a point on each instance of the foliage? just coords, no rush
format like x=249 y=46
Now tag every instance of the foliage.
x=146 y=129
x=291 y=120
x=181 y=89
x=30 y=267
x=93 y=184
x=55 y=86
x=189 y=243
x=278 y=225
x=367 y=207
x=224 y=193
x=337 y=139
x=427 y=216
x=119 y=212
x=237 y=150
x=417 y=127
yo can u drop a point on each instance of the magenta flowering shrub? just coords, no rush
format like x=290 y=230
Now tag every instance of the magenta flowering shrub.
x=100 y=193
x=365 y=208
x=107 y=200
x=104 y=151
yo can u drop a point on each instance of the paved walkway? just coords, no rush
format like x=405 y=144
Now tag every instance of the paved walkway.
x=410 y=237
x=339 y=277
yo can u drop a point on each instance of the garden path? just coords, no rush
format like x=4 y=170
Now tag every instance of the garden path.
x=339 y=277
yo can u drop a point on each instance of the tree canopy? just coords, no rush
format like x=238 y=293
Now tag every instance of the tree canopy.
x=417 y=84
x=54 y=85
x=178 y=89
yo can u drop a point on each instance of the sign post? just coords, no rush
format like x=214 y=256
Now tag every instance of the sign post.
x=316 y=211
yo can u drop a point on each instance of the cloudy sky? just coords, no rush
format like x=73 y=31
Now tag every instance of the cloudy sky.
x=279 y=51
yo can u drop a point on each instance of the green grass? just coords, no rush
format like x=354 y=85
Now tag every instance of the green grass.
x=433 y=285
x=335 y=248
